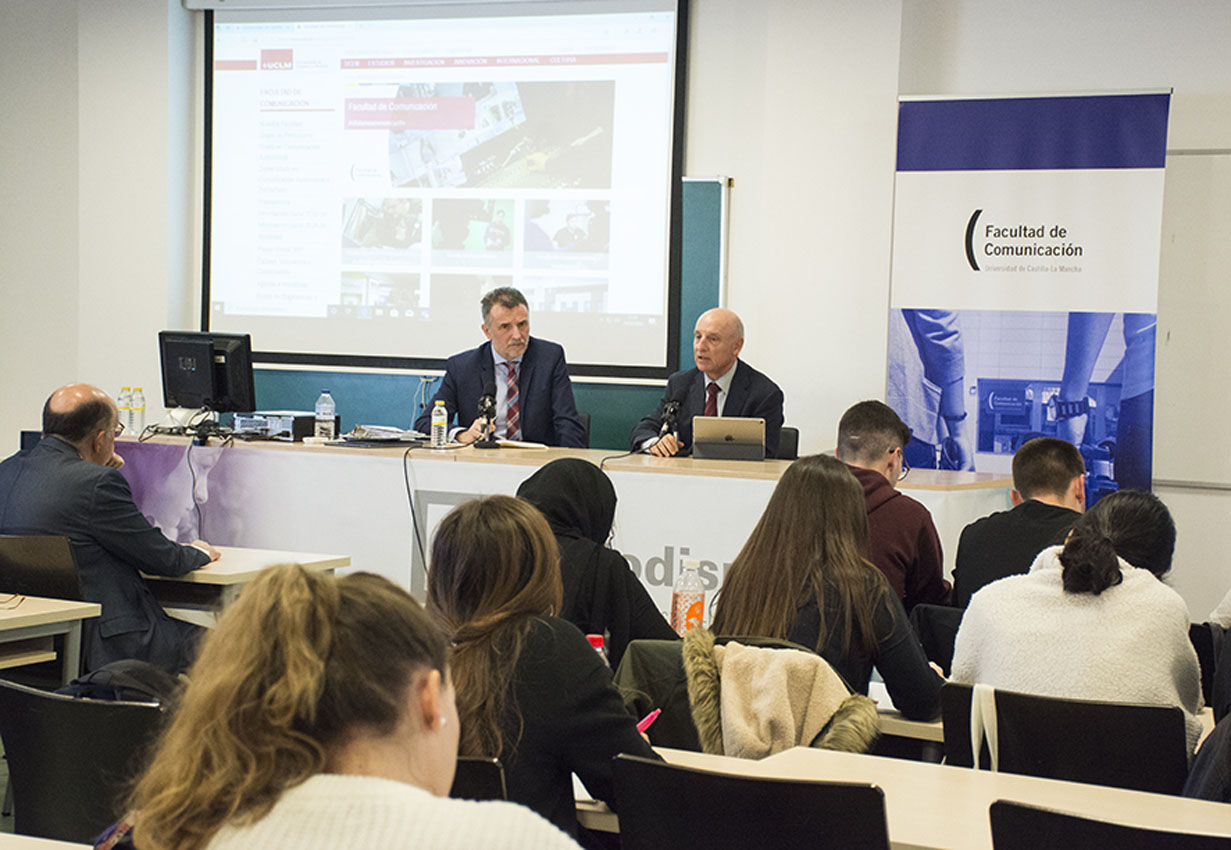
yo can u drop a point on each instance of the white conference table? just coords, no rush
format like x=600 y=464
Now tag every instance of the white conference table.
x=28 y=631
x=361 y=501
x=8 y=841
x=946 y=808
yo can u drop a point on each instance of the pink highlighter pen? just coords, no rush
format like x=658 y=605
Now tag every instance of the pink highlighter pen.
x=648 y=721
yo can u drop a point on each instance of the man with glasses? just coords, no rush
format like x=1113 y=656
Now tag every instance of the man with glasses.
x=68 y=485
x=902 y=540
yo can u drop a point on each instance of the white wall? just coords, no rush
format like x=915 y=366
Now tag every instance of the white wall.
x=797 y=101
x=38 y=220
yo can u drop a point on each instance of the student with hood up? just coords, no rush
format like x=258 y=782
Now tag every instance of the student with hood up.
x=601 y=593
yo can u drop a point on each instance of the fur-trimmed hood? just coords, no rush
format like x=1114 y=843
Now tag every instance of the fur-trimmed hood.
x=751 y=702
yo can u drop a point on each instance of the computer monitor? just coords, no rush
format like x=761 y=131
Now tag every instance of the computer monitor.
x=207 y=370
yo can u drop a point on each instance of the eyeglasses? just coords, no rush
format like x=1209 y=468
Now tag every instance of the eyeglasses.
x=119 y=429
x=905 y=466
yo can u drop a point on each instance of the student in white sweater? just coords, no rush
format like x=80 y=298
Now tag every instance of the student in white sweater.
x=1092 y=619
x=320 y=714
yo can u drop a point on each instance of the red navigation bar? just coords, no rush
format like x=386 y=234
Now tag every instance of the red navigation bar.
x=505 y=61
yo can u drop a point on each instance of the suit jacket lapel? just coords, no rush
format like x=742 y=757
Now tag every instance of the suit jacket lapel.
x=737 y=395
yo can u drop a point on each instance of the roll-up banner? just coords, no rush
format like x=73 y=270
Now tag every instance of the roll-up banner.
x=1025 y=279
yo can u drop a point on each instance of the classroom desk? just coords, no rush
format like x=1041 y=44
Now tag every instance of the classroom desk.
x=8 y=841
x=942 y=807
x=359 y=501
x=27 y=633
x=221 y=581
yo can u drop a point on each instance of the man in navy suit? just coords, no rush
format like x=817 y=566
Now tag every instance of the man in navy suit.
x=69 y=485
x=720 y=385
x=534 y=396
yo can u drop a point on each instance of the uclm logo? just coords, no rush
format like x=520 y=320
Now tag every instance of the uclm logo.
x=277 y=60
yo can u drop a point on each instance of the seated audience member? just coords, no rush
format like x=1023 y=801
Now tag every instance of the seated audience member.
x=529 y=375
x=320 y=715
x=1092 y=619
x=531 y=690
x=601 y=594
x=803 y=575
x=902 y=541
x=69 y=485
x=1210 y=776
x=1049 y=481
x=719 y=385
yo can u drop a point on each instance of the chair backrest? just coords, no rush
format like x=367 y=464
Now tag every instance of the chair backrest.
x=1207 y=639
x=479 y=778
x=936 y=626
x=1142 y=747
x=663 y=805
x=585 y=427
x=1017 y=826
x=788 y=443
x=71 y=760
x=30 y=439
x=38 y=565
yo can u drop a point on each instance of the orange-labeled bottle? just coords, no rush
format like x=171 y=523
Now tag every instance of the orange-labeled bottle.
x=687 y=599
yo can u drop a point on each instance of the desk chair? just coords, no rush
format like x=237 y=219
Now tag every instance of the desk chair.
x=1207 y=640
x=788 y=443
x=71 y=760
x=1016 y=826
x=479 y=778
x=1142 y=747
x=37 y=565
x=936 y=627
x=663 y=805
x=585 y=427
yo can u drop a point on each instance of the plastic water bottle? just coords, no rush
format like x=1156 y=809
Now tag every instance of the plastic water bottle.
x=687 y=599
x=325 y=413
x=124 y=404
x=440 y=425
x=599 y=643
x=136 y=412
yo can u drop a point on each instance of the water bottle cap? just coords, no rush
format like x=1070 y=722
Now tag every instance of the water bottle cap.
x=596 y=641
x=324 y=392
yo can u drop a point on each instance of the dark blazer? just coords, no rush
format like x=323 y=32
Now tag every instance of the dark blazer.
x=548 y=413
x=50 y=489
x=751 y=394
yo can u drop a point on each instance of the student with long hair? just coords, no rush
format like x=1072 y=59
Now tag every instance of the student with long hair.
x=1092 y=619
x=320 y=714
x=601 y=594
x=531 y=690
x=803 y=575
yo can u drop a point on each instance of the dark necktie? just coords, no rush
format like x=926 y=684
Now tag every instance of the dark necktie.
x=512 y=422
x=711 y=399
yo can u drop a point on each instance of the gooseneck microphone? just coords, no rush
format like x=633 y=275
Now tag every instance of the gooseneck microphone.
x=487 y=414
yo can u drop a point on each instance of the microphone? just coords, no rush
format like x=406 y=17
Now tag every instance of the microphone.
x=487 y=414
x=671 y=412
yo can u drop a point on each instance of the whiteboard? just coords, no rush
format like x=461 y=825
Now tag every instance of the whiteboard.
x=1192 y=405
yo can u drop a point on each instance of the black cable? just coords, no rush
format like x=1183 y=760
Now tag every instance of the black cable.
x=616 y=457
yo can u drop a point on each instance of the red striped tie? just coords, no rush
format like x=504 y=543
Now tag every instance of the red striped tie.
x=711 y=399
x=512 y=426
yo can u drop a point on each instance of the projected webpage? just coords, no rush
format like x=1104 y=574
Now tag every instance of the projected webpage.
x=371 y=179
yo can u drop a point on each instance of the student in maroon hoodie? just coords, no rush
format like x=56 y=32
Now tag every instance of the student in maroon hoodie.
x=902 y=541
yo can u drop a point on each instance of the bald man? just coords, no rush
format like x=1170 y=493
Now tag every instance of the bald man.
x=69 y=485
x=737 y=389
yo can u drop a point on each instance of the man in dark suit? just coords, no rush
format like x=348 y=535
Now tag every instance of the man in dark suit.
x=534 y=396
x=1049 y=495
x=720 y=385
x=69 y=485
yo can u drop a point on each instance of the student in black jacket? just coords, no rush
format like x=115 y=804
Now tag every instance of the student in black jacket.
x=530 y=689
x=601 y=594
x=1049 y=495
